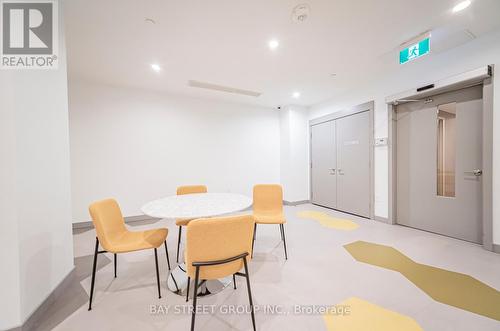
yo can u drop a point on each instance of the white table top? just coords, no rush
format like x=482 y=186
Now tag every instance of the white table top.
x=190 y=206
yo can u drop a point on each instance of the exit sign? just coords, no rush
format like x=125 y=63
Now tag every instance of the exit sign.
x=415 y=51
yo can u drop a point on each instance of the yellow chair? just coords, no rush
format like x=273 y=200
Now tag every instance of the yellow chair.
x=181 y=190
x=115 y=238
x=268 y=209
x=217 y=248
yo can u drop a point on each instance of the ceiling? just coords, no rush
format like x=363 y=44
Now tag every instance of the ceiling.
x=225 y=42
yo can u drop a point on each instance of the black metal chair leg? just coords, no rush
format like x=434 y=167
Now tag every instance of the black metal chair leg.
x=157 y=274
x=284 y=239
x=93 y=272
x=234 y=281
x=115 y=263
x=253 y=240
x=189 y=285
x=179 y=243
x=247 y=276
x=196 y=279
x=166 y=252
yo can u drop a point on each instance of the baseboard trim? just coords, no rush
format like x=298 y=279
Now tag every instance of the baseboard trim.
x=295 y=203
x=131 y=219
x=381 y=219
x=32 y=321
x=128 y=219
x=496 y=248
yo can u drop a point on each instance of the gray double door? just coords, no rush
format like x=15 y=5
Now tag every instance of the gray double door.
x=340 y=164
x=439 y=164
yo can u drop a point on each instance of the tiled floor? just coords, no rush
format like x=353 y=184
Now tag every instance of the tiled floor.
x=319 y=272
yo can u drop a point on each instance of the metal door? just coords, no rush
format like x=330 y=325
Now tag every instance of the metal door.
x=353 y=164
x=439 y=164
x=323 y=165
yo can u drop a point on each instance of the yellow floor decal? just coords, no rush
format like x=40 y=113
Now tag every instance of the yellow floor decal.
x=328 y=221
x=362 y=315
x=448 y=287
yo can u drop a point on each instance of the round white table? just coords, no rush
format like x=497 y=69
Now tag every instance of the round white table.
x=193 y=206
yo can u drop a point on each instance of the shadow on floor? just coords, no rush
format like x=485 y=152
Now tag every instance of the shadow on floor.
x=74 y=296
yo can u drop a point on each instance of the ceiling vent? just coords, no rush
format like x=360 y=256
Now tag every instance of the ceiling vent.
x=220 y=88
x=300 y=13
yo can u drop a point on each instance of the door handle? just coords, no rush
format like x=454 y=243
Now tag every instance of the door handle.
x=340 y=172
x=475 y=172
x=332 y=171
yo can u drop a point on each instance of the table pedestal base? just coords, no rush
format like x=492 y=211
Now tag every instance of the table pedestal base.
x=177 y=283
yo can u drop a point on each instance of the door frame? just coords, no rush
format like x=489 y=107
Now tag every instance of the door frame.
x=367 y=106
x=455 y=83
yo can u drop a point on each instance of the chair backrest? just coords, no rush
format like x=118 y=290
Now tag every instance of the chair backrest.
x=191 y=189
x=213 y=239
x=108 y=221
x=268 y=198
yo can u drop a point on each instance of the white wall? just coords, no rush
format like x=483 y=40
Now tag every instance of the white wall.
x=136 y=145
x=294 y=130
x=10 y=301
x=480 y=52
x=36 y=242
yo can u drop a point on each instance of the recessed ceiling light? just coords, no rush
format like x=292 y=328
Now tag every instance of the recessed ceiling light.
x=461 y=6
x=296 y=95
x=156 y=67
x=273 y=44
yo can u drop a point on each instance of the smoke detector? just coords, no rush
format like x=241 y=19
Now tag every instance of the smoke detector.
x=300 y=13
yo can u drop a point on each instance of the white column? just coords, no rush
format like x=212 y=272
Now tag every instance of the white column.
x=36 y=242
x=294 y=147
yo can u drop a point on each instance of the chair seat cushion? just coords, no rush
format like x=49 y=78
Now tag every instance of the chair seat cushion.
x=130 y=241
x=269 y=218
x=182 y=222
